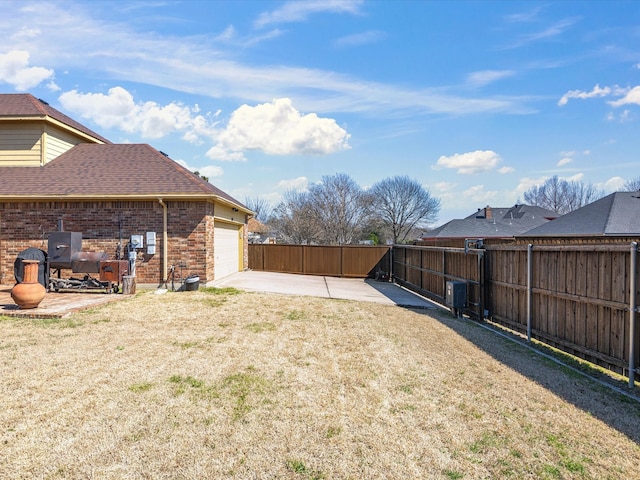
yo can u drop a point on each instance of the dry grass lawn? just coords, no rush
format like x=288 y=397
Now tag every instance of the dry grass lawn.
x=203 y=385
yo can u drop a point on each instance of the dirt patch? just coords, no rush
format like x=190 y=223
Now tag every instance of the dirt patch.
x=204 y=385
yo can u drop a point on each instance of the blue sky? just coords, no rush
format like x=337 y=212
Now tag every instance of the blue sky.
x=476 y=100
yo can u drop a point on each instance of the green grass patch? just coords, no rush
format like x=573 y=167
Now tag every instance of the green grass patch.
x=408 y=389
x=141 y=387
x=221 y=291
x=453 y=475
x=213 y=302
x=195 y=387
x=333 y=431
x=295 y=315
x=488 y=441
x=259 y=327
x=298 y=466
x=245 y=389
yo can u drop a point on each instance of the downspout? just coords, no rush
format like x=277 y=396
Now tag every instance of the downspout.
x=632 y=314
x=165 y=247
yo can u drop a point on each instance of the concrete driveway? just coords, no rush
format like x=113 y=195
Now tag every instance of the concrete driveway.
x=365 y=290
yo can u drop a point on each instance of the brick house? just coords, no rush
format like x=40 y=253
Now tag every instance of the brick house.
x=55 y=172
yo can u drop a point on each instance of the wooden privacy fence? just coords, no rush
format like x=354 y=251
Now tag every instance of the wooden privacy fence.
x=335 y=261
x=579 y=298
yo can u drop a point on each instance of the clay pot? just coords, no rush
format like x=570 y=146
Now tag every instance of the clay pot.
x=29 y=293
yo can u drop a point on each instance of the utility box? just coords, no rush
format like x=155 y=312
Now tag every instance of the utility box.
x=456 y=296
x=151 y=243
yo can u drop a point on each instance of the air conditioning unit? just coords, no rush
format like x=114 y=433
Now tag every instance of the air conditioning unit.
x=456 y=296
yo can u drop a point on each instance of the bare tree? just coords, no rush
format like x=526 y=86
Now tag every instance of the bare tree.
x=263 y=209
x=632 y=185
x=293 y=219
x=401 y=204
x=340 y=207
x=562 y=196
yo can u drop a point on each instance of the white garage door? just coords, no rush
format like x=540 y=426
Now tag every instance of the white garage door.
x=226 y=250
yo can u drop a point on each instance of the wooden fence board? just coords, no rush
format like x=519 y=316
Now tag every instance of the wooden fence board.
x=339 y=261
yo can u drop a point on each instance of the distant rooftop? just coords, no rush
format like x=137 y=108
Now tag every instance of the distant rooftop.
x=497 y=222
x=615 y=214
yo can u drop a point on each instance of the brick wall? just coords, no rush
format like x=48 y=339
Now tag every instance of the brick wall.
x=189 y=233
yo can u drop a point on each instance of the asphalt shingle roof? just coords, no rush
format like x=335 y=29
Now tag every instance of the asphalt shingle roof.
x=504 y=222
x=26 y=105
x=107 y=170
x=615 y=214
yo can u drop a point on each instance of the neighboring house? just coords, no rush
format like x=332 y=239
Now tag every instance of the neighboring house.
x=109 y=192
x=259 y=232
x=615 y=217
x=490 y=223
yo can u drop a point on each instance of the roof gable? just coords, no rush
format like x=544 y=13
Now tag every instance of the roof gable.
x=26 y=106
x=108 y=170
x=615 y=214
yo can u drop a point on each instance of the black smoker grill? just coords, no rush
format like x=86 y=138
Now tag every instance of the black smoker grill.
x=65 y=252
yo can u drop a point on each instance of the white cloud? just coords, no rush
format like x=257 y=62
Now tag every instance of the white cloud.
x=471 y=162
x=444 y=186
x=478 y=194
x=614 y=184
x=527 y=183
x=485 y=77
x=277 y=128
x=296 y=11
x=573 y=178
x=553 y=31
x=631 y=97
x=596 y=92
x=358 y=39
x=565 y=161
x=300 y=184
x=15 y=70
x=505 y=170
x=211 y=171
x=118 y=109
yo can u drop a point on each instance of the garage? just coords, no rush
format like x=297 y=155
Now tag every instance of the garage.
x=226 y=248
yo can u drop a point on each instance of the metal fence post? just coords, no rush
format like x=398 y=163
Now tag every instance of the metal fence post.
x=632 y=314
x=529 y=288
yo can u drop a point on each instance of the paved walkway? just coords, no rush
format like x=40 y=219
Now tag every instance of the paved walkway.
x=56 y=305
x=327 y=287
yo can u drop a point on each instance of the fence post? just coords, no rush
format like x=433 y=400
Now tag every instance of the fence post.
x=529 y=288
x=481 y=278
x=632 y=314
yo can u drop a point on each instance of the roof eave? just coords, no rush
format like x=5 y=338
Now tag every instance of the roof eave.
x=120 y=197
x=53 y=121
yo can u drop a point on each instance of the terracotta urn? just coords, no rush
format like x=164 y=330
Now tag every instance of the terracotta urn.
x=29 y=293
